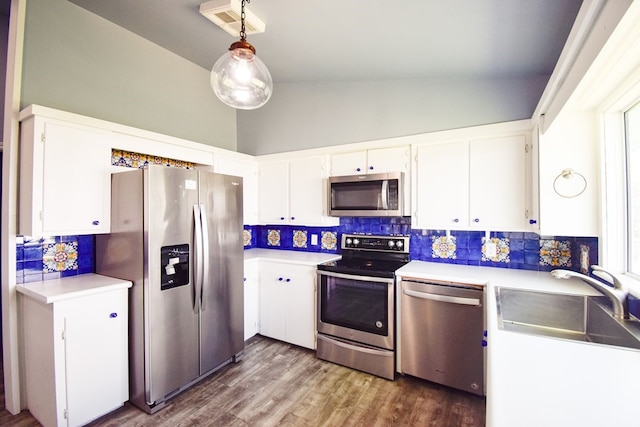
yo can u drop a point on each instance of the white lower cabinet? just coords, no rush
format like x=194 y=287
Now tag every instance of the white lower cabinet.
x=287 y=303
x=76 y=354
x=251 y=299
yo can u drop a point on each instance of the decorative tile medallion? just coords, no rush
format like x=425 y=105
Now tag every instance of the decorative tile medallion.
x=299 y=238
x=60 y=257
x=246 y=237
x=273 y=237
x=584 y=259
x=443 y=247
x=502 y=250
x=556 y=253
x=130 y=159
x=329 y=240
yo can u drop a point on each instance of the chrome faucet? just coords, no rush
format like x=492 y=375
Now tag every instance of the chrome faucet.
x=618 y=295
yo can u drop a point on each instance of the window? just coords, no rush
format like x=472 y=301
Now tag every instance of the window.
x=632 y=139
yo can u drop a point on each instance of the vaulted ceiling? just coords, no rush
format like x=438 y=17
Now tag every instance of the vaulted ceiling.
x=337 y=40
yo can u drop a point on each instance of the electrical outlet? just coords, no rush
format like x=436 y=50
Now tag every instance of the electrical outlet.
x=314 y=239
x=490 y=250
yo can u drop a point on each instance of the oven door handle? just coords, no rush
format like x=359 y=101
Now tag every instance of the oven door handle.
x=356 y=277
x=357 y=348
x=442 y=298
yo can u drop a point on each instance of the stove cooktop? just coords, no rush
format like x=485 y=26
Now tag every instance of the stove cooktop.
x=378 y=256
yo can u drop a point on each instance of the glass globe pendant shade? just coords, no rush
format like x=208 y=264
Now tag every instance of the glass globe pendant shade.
x=240 y=79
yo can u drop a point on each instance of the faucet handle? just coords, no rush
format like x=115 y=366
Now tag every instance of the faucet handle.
x=617 y=284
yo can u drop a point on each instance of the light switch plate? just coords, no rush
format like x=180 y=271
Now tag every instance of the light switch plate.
x=490 y=250
x=314 y=239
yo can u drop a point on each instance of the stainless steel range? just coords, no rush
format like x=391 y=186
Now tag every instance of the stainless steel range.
x=356 y=303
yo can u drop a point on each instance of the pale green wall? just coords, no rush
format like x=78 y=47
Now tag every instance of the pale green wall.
x=76 y=61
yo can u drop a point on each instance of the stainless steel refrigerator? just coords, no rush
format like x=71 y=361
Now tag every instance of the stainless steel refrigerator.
x=177 y=235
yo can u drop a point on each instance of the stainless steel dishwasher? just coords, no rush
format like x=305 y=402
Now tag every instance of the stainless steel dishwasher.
x=442 y=333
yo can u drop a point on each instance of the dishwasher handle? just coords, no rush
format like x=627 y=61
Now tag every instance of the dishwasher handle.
x=442 y=298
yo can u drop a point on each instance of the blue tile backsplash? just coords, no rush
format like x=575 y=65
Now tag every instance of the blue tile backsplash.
x=526 y=251
x=54 y=257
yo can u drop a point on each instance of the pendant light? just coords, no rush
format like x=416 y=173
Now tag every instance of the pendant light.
x=239 y=78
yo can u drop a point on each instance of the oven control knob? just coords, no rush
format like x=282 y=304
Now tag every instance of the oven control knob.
x=378 y=324
x=391 y=243
x=399 y=244
x=348 y=241
x=356 y=242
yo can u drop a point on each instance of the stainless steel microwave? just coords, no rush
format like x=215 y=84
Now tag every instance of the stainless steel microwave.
x=380 y=194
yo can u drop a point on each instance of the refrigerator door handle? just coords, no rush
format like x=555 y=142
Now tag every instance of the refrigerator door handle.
x=205 y=257
x=197 y=279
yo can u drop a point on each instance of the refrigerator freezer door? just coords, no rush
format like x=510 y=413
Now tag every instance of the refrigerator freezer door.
x=222 y=315
x=171 y=321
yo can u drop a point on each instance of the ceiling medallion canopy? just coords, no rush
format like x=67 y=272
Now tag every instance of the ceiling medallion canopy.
x=239 y=78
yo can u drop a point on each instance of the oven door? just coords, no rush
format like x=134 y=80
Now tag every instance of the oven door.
x=356 y=308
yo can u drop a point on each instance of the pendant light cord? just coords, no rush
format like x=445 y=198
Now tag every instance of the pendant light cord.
x=243 y=34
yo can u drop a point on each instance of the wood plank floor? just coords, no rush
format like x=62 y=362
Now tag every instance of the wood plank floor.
x=277 y=384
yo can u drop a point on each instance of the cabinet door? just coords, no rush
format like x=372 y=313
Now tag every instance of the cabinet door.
x=251 y=299
x=301 y=314
x=442 y=186
x=274 y=193
x=96 y=356
x=349 y=163
x=393 y=159
x=249 y=172
x=497 y=183
x=68 y=188
x=287 y=303
x=307 y=191
x=272 y=316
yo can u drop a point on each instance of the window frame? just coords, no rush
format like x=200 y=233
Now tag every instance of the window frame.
x=613 y=247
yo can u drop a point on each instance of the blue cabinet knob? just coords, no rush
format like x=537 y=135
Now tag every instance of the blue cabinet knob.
x=476 y=220
x=280 y=279
x=456 y=220
x=113 y=315
x=370 y=168
x=96 y=222
x=292 y=218
x=533 y=221
x=288 y=280
x=484 y=343
x=357 y=169
x=281 y=218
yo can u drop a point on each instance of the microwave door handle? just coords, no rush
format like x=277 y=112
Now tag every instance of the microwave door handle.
x=385 y=194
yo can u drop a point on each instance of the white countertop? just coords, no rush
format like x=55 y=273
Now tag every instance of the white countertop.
x=50 y=291
x=292 y=257
x=537 y=381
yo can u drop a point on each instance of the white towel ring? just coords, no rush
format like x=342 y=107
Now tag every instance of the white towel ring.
x=571 y=185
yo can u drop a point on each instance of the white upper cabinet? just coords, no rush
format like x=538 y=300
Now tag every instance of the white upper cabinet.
x=497 y=183
x=65 y=183
x=379 y=160
x=477 y=184
x=442 y=186
x=294 y=192
x=569 y=203
x=248 y=170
